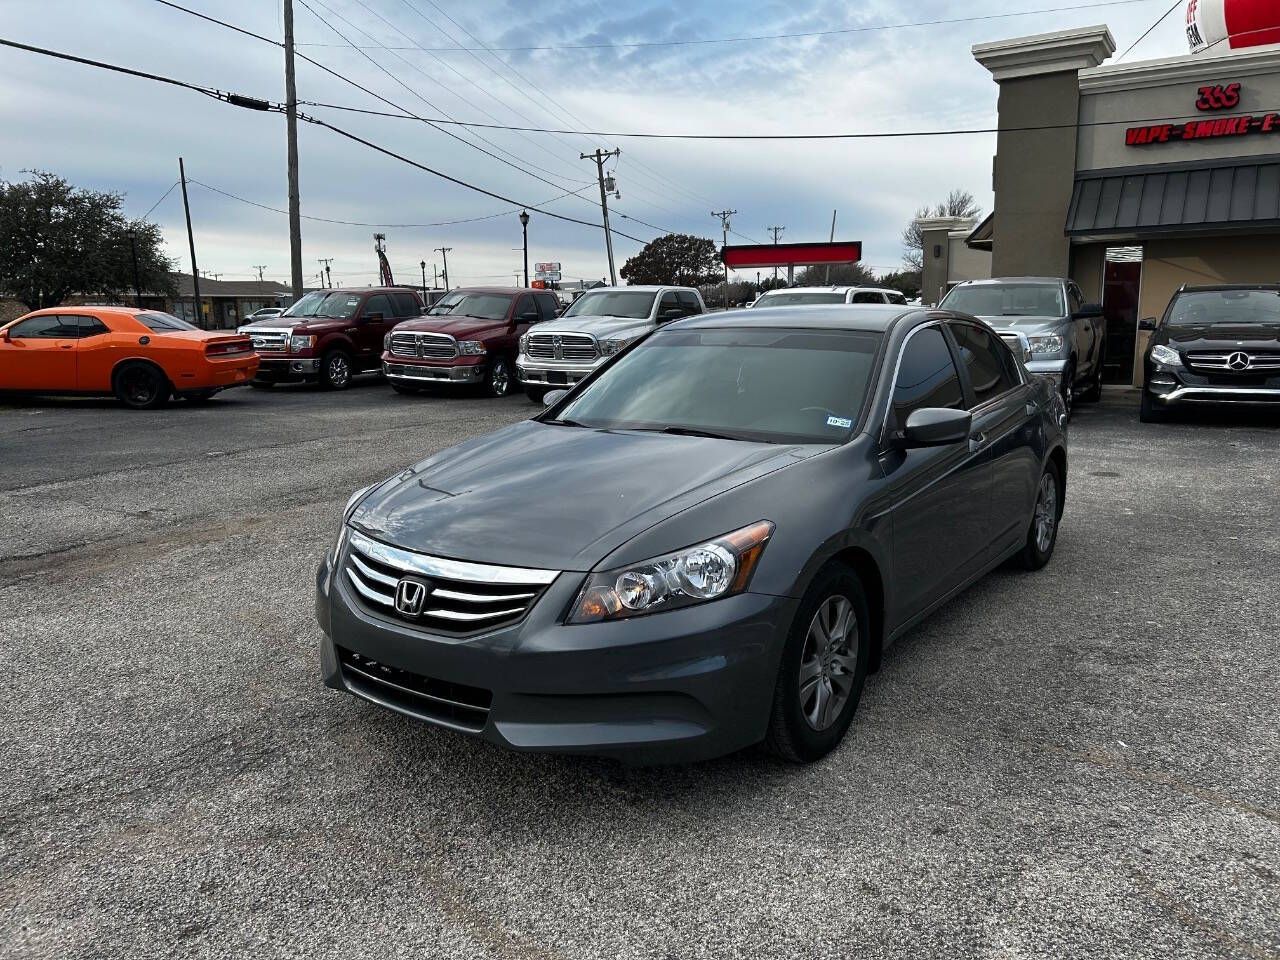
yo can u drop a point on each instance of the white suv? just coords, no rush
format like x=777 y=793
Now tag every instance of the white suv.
x=807 y=296
x=604 y=320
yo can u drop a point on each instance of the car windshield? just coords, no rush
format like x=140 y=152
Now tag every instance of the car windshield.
x=634 y=304
x=771 y=385
x=164 y=322
x=1199 y=308
x=1006 y=300
x=484 y=306
x=325 y=304
x=794 y=298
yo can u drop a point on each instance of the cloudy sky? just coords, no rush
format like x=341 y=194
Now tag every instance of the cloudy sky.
x=444 y=61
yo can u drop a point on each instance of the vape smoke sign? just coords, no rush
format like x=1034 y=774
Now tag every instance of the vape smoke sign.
x=1209 y=98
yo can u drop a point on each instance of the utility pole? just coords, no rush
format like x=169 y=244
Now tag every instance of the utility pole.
x=137 y=284
x=833 y=240
x=724 y=216
x=777 y=232
x=291 y=133
x=444 y=254
x=600 y=157
x=323 y=270
x=259 y=267
x=191 y=240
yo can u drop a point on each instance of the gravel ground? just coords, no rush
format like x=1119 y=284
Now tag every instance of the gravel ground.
x=1077 y=763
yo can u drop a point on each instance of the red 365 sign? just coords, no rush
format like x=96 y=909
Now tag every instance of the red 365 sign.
x=1219 y=97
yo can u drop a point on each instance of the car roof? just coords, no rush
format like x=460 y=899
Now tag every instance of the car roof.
x=91 y=310
x=991 y=281
x=825 y=316
x=640 y=288
x=1212 y=287
x=833 y=288
x=507 y=290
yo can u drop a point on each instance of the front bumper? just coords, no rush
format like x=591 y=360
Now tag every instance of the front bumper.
x=554 y=373
x=399 y=372
x=1051 y=370
x=279 y=369
x=684 y=685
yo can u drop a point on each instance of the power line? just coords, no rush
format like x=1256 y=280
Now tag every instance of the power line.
x=1159 y=20
x=172 y=186
x=844 y=31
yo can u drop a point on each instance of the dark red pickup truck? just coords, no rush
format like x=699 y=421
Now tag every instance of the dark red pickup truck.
x=470 y=337
x=330 y=335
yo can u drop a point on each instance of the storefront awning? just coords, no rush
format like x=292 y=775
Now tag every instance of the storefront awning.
x=1176 y=200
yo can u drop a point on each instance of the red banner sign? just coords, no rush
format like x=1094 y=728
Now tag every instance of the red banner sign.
x=758 y=256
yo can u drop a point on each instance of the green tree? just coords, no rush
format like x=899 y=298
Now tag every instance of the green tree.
x=906 y=282
x=842 y=274
x=959 y=203
x=676 y=258
x=56 y=240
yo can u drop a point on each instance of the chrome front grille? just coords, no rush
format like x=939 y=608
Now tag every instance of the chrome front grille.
x=1236 y=361
x=457 y=598
x=433 y=346
x=578 y=347
x=268 y=341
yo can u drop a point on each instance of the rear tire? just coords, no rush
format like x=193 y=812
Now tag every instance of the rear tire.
x=1151 y=412
x=336 y=370
x=1042 y=536
x=823 y=669
x=141 y=386
x=536 y=394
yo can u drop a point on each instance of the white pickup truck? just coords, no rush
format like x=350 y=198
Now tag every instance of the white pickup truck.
x=558 y=353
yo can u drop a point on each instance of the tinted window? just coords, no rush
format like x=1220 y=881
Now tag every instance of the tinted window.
x=378 y=303
x=406 y=305
x=89 y=326
x=1006 y=300
x=689 y=302
x=320 y=304
x=771 y=385
x=896 y=298
x=789 y=298
x=631 y=304
x=987 y=360
x=548 y=306
x=36 y=327
x=867 y=296
x=927 y=376
x=525 y=305
x=669 y=301
x=164 y=322
x=1202 y=308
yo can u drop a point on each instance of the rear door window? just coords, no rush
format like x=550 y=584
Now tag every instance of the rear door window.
x=689 y=302
x=88 y=326
x=548 y=306
x=927 y=376
x=991 y=367
x=867 y=296
x=896 y=298
x=406 y=305
x=669 y=301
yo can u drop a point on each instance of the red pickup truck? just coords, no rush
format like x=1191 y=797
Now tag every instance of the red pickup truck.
x=470 y=337
x=330 y=335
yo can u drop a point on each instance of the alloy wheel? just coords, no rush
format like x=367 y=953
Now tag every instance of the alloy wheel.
x=1046 y=512
x=500 y=378
x=339 y=371
x=828 y=662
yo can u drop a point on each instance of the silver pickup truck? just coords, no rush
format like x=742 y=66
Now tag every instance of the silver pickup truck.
x=558 y=353
x=1065 y=335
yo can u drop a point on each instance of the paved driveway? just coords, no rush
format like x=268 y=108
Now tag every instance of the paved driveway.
x=1080 y=763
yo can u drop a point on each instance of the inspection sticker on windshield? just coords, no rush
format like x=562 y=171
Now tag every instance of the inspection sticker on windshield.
x=844 y=422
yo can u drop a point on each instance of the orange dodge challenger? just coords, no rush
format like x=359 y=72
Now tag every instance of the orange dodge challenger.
x=143 y=357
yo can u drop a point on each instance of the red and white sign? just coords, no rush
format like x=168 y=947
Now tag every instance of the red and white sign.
x=1222 y=25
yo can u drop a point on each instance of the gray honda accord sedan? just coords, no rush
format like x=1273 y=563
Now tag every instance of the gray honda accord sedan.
x=707 y=544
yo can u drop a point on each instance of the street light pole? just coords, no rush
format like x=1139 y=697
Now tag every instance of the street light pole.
x=423 y=265
x=524 y=228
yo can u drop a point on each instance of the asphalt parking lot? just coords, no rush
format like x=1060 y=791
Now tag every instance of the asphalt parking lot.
x=1083 y=762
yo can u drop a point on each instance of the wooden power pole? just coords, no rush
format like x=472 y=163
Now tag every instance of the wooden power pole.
x=291 y=128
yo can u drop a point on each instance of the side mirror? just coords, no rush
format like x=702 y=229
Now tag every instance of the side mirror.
x=674 y=313
x=532 y=317
x=937 y=427
x=1147 y=323
x=552 y=397
x=1089 y=311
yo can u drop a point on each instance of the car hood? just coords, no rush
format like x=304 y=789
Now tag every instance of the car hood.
x=457 y=326
x=1023 y=324
x=1208 y=336
x=602 y=328
x=299 y=325
x=557 y=497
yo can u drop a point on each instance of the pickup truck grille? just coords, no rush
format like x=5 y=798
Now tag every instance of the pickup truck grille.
x=1236 y=361
x=1014 y=343
x=269 y=341
x=433 y=346
x=561 y=346
x=456 y=598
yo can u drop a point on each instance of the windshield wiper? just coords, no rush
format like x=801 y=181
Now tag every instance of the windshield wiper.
x=565 y=423
x=693 y=432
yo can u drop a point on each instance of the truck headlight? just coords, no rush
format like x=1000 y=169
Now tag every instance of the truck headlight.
x=298 y=344
x=1161 y=353
x=524 y=342
x=609 y=347
x=471 y=348
x=708 y=571
x=1047 y=345
x=386 y=343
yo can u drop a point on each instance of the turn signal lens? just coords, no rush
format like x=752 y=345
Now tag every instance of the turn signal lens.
x=708 y=571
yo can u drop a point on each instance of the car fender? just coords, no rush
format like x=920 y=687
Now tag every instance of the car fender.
x=334 y=341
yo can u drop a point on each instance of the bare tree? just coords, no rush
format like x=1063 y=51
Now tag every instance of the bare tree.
x=959 y=203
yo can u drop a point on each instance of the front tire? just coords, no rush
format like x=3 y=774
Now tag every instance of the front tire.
x=141 y=386
x=823 y=669
x=1042 y=536
x=336 y=370
x=536 y=394
x=499 y=379
x=1151 y=412
x=1067 y=388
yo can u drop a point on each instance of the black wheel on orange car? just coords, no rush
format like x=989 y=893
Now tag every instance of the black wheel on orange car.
x=536 y=394
x=824 y=666
x=500 y=377
x=336 y=370
x=140 y=385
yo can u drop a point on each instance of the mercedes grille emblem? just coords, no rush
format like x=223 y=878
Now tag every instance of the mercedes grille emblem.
x=1238 y=361
x=411 y=597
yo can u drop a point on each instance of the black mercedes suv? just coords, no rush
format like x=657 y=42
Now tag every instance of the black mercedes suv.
x=1215 y=344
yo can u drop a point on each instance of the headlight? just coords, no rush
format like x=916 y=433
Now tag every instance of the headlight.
x=386 y=343
x=1161 y=353
x=709 y=571
x=524 y=342
x=609 y=347
x=336 y=550
x=1048 y=345
x=298 y=344
x=471 y=347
